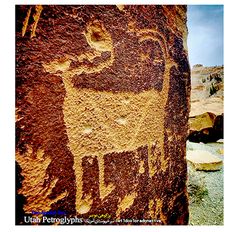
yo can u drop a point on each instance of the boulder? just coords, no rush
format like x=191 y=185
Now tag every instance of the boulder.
x=202 y=121
x=220 y=141
x=206 y=127
x=206 y=114
x=203 y=160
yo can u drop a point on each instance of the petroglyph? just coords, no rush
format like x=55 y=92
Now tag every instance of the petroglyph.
x=85 y=205
x=154 y=35
x=155 y=210
x=120 y=7
x=26 y=21
x=141 y=169
x=36 y=17
x=104 y=91
x=33 y=187
x=126 y=203
x=128 y=124
x=98 y=37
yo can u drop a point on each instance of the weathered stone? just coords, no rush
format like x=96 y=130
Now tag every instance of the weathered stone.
x=204 y=161
x=206 y=114
x=213 y=105
x=206 y=127
x=202 y=121
x=220 y=141
x=102 y=112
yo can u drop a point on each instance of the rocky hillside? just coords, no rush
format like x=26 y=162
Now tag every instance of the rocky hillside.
x=207 y=95
x=205 y=184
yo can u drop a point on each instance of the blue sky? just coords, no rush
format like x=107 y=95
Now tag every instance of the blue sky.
x=205 y=38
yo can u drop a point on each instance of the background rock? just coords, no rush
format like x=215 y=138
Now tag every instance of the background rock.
x=206 y=192
x=206 y=115
x=204 y=161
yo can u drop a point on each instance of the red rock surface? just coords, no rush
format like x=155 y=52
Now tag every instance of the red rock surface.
x=102 y=97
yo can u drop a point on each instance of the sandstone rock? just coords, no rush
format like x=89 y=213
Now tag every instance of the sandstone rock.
x=206 y=114
x=205 y=128
x=220 y=141
x=197 y=66
x=203 y=160
x=202 y=121
x=213 y=105
x=103 y=104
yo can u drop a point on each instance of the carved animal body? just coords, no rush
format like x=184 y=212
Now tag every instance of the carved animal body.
x=126 y=91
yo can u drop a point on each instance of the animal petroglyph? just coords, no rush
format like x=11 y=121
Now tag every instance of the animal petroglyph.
x=102 y=122
x=33 y=187
x=102 y=103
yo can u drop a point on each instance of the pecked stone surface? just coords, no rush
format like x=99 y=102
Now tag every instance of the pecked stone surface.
x=102 y=106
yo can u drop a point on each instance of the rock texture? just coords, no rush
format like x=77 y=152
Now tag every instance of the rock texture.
x=102 y=111
x=207 y=112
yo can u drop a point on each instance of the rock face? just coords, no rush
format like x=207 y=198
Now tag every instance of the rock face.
x=206 y=115
x=102 y=112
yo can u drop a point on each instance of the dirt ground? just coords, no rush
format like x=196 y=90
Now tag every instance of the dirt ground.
x=206 y=190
